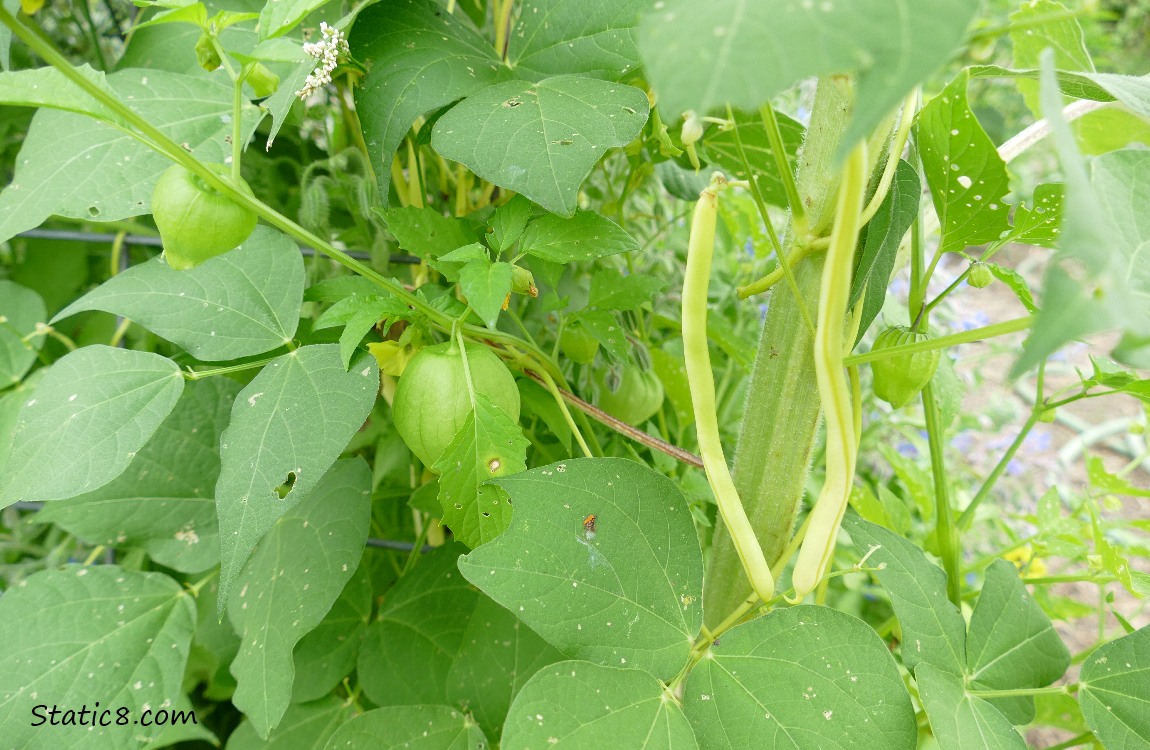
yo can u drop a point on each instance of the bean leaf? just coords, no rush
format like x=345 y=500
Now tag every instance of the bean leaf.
x=601 y=559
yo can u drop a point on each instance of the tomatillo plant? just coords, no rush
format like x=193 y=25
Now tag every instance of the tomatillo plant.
x=369 y=375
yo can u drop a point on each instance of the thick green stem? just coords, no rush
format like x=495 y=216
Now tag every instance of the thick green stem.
x=781 y=417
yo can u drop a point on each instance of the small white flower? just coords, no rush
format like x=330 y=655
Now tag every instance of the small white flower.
x=331 y=45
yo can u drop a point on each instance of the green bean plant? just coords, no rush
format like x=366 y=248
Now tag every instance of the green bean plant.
x=388 y=401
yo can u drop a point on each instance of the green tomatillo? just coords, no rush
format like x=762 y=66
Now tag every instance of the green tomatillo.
x=899 y=379
x=196 y=221
x=432 y=400
x=635 y=397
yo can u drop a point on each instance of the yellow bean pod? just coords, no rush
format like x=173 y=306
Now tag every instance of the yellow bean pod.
x=834 y=391
x=702 y=385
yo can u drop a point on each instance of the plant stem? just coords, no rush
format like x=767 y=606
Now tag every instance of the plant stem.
x=967 y=516
x=780 y=420
x=191 y=374
x=942 y=342
x=946 y=534
x=1024 y=692
x=779 y=152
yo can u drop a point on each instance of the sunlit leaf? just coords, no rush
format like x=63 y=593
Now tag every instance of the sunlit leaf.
x=576 y=705
x=238 y=304
x=560 y=126
x=92 y=412
x=287 y=428
x=620 y=589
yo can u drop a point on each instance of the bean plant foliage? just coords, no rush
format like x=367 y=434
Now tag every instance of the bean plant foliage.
x=436 y=456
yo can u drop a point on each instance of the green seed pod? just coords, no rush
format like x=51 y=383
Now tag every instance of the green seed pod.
x=980 y=275
x=522 y=282
x=206 y=54
x=579 y=344
x=636 y=396
x=196 y=222
x=432 y=402
x=263 y=82
x=898 y=379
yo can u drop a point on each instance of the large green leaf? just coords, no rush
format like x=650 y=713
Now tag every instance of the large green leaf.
x=1011 y=643
x=419 y=59
x=425 y=232
x=290 y=582
x=287 y=428
x=585 y=236
x=418 y=632
x=933 y=630
x=959 y=720
x=575 y=705
x=797 y=678
x=49 y=88
x=73 y=166
x=489 y=445
x=627 y=593
x=559 y=128
x=305 y=726
x=409 y=728
x=92 y=412
x=720 y=147
x=1101 y=277
x=21 y=310
x=1114 y=690
x=593 y=37
x=967 y=178
x=238 y=304
x=163 y=501
x=78 y=635
x=497 y=655
x=327 y=654
x=700 y=56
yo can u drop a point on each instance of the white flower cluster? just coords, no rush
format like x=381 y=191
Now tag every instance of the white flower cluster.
x=331 y=45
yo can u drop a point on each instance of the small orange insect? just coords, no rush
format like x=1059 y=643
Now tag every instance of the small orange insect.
x=589 y=525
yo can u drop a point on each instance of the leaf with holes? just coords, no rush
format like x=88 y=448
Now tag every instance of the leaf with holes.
x=967 y=178
x=239 y=304
x=164 y=500
x=71 y=166
x=290 y=582
x=92 y=412
x=809 y=672
x=1038 y=223
x=489 y=445
x=575 y=704
x=560 y=127
x=287 y=428
x=602 y=560
x=80 y=634
x=21 y=311
x=419 y=58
